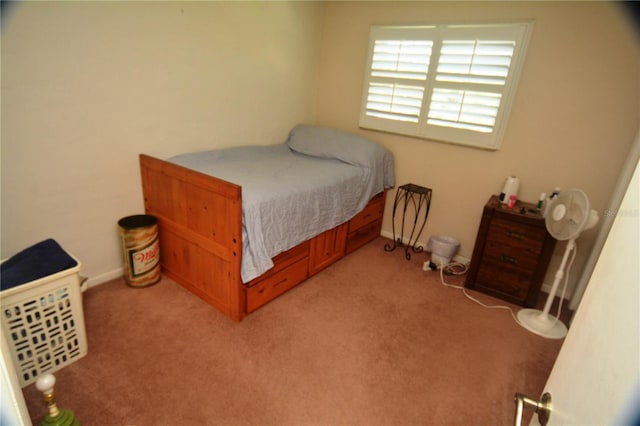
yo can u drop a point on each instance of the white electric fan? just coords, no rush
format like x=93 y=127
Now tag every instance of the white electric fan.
x=567 y=216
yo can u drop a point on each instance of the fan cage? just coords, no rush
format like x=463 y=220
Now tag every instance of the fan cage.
x=577 y=211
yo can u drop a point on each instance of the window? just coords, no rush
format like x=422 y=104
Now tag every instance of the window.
x=453 y=83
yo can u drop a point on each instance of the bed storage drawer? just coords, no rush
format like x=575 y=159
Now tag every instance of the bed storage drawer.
x=366 y=225
x=362 y=236
x=273 y=286
x=284 y=260
x=373 y=211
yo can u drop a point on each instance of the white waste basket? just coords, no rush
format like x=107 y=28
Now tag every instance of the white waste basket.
x=442 y=249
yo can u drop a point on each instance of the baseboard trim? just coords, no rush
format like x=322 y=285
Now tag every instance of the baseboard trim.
x=405 y=241
x=457 y=258
x=103 y=278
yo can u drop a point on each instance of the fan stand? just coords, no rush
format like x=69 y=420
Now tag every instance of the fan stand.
x=541 y=322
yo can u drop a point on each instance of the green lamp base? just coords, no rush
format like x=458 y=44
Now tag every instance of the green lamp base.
x=64 y=418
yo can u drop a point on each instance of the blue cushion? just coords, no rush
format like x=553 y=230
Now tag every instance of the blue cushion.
x=38 y=261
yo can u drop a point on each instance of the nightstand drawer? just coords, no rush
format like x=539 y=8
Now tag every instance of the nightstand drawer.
x=509 y=284
x=515 y=235
x=518 y=259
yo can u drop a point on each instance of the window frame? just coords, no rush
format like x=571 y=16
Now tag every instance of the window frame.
x=519 y=32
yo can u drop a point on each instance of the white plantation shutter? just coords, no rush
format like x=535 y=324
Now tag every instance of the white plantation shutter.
x=449 y=83
x=464 y=64
x=475 y=61
x=464 y=109
x=401 y=59
x=394 y=61
x=395 y=102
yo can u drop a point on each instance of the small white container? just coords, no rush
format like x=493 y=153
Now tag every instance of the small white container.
x=442 y=249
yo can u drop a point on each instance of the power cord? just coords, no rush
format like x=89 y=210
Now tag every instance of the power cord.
x=458 y=268
x=455 y=268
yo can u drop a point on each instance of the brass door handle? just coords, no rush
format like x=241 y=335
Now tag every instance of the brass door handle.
x=542 y=407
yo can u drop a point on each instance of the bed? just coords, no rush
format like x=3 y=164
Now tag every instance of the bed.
x=241 y=226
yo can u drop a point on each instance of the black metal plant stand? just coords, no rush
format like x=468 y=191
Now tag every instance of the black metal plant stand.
x=420 y=197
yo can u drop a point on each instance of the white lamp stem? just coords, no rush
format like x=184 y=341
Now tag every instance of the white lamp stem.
x=571 y=244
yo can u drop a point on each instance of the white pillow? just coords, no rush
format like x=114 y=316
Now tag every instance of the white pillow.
x=331 y=143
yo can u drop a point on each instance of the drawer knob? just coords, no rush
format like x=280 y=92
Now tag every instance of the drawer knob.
x=515 y=235
x=509 y=259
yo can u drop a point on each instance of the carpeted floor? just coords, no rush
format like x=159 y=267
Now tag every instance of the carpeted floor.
x=372 y=340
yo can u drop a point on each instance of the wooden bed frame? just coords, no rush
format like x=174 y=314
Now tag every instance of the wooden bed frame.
x=200 y=227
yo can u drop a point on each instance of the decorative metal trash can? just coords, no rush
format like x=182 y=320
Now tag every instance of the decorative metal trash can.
x=42 y=315
x=141 y=249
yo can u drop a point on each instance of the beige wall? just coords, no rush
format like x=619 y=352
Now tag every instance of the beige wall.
x=573 y=121
x=86 y=86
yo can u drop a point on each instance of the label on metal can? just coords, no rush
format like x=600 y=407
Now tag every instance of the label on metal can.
x=144 y=259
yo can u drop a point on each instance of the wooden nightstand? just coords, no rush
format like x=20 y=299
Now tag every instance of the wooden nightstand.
x=511 y=253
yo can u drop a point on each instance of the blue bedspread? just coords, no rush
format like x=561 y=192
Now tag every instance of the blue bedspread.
x=287 y=196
